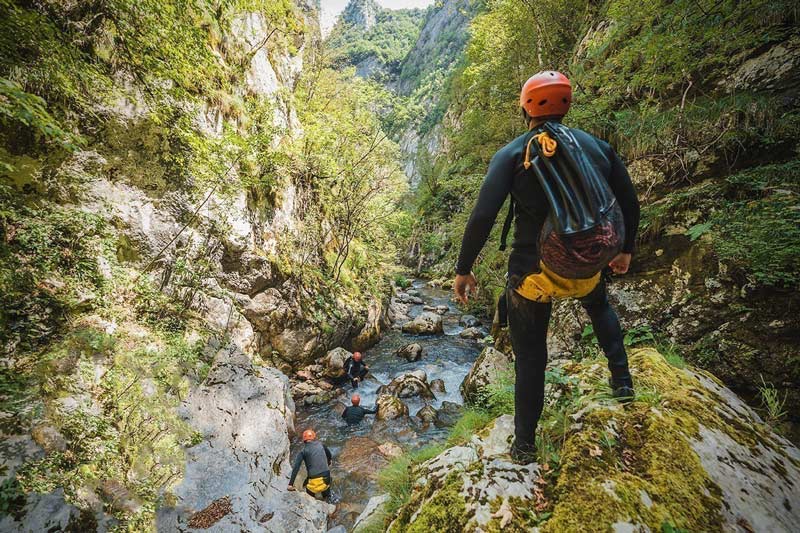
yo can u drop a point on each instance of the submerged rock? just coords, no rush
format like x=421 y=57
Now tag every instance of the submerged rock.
x=491 y=366
x=437 y=385
x=472 y=333
x=469 y=321
x=427 y=414
x=426 y=323
x=390 y=407
x=410 y=352
x=448 y=414
x=687 y=452
x=245 y=414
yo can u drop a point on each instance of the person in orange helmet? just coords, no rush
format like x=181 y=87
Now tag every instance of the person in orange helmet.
x=317 y=458
x=355 y=369
x=354 y=414
x=540 y=170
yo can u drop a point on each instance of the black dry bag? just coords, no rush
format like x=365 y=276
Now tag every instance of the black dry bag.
x=585 y=228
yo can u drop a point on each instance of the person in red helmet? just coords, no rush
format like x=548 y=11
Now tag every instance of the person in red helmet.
x=317 y=458
x=355 y=369
x=354 y=414
x=575 y=213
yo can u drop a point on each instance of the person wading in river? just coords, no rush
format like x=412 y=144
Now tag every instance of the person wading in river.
x=354 y=414
x=575 y=211
x=317 y=458
x=355 y=369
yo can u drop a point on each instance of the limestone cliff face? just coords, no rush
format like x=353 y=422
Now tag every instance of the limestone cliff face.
x=361 y=13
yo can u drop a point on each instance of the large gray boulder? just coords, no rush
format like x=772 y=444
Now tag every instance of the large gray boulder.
x=408 y=386
x=425 y=323
x=333 y=363
x=376 y=321
x=236 y=477
x=491 y=366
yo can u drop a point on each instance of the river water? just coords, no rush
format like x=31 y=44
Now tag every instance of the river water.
x=356 y=458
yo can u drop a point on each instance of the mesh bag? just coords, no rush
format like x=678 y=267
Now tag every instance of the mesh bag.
x=585 y=228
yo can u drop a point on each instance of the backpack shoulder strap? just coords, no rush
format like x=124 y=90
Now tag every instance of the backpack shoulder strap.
x=507 y=224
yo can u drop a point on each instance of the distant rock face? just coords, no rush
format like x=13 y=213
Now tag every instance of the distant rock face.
x=490 y=366
x=363 y=13
x=245 y=414
x=426 y=323
x=689 y=449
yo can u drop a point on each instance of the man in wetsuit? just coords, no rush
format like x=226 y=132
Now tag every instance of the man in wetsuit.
x=355 y=369
x=317 y=458
x=354 y=414
x=545 y=97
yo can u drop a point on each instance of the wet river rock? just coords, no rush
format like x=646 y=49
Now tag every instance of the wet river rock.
x=333 y=363
x=390 y=407
x=437 y=385
x=408 y=386
x=427 y=414
x=411 y=352
x=426 y=323
x=472 y=333
x=469 y=321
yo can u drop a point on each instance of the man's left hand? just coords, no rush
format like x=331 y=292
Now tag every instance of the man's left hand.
x=621 y=263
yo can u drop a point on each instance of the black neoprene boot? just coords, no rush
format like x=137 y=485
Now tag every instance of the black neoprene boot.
x=621 y=388
x=523 y=454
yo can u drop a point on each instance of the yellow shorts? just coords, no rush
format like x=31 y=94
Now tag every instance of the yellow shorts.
x=317 y=485
x=545 y=285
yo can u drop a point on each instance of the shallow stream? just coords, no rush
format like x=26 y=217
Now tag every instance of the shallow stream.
x=357 y=460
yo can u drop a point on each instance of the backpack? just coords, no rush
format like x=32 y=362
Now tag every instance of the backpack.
x=584 y=229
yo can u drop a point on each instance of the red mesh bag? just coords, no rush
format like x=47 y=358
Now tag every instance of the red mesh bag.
x=585 y=227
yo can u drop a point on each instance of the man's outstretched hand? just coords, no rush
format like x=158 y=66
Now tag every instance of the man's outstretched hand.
x=464 y=286
x=621 y=263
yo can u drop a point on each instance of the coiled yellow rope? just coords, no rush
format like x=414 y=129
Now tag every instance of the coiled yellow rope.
x=547 y=143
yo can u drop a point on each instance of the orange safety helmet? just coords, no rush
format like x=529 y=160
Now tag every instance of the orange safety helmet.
x=546 y=94
x=308 y=435
x=356 y=356
x=356 y=399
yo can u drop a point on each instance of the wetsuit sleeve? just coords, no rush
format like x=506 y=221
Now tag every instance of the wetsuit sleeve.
x=620 y=182
x=344 y=413
x=496 y=187
x=296 y=466
x=328 y=454
x=371 y=411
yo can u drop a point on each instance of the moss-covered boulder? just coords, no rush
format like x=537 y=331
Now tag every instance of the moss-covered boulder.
x=490 y=366
x=686 y=453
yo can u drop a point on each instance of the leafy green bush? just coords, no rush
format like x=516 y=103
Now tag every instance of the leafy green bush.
x=48 y=265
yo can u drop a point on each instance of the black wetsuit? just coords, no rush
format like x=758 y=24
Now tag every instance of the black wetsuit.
x=528 y=320
x=317 y=458
x=355 y=370
x=354 y=414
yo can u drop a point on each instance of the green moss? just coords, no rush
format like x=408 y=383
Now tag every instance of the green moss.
x=444 y=512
